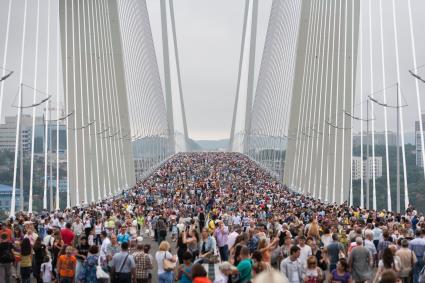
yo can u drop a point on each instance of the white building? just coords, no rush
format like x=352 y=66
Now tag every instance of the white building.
x=8 y=133
x=357 y=167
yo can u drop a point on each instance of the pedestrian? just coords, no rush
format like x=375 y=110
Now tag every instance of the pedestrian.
x=408 y=260
x=143 y=263
x=417 y=245
x=221 y=234
x=40 y=253
x=67 y=235
x=163 y=257
x=199 y=274
x=291 y=267
x=7 y=258
x=123 y=266
x=312 y=273
x=46 y=270
x=26 y=260
x=360 y=261
x=340 y=273
x=335 y=250
x=387 y=263
x=67 y=264
x=244 y=267
x=185 y=270
x=88 y=270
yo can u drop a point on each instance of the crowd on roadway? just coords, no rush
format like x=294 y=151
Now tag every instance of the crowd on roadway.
x=213 y=217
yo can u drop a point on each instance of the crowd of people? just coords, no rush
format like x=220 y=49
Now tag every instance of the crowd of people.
x=213 y=217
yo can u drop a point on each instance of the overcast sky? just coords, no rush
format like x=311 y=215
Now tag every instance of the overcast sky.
x=209 y=36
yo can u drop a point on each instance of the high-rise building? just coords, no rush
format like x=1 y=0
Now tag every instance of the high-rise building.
x=418 y=151
x=8 y=135
x=358 y=170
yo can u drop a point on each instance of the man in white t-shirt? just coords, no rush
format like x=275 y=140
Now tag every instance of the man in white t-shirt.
x=237 y=221
x=104 y=248
x=49 y=240
x=305 y=251
x=77 y=227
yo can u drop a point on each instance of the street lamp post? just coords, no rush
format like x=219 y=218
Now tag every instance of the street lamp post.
x=367 y=120
x=397 y=107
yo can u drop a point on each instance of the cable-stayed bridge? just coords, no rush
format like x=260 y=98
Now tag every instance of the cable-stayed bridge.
x=328 y=70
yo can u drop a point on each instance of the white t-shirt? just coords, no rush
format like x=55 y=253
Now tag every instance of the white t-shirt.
x=305 y=253
x=48 y=241
x=237 y=220
x=77 y=228
x=87 y=223
x=98 y=229
x=104 y=248
x=160 y=256
x=46 y=272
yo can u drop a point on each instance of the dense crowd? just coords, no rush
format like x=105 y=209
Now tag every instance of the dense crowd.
x=213 y=217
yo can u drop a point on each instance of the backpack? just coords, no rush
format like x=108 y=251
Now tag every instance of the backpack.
x=162 y=228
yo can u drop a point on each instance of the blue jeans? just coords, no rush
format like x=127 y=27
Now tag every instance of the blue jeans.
x=166 y=277
x=417 y=269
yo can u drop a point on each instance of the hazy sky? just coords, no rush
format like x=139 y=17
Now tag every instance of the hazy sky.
x=209 y=36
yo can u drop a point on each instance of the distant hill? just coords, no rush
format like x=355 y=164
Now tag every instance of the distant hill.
x=213 y=144
x=193 y=145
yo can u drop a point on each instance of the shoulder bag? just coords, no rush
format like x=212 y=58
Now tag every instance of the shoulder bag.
x=168 y=264
x=116 y=277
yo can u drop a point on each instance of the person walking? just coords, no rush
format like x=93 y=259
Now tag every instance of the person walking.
x=87 y=273
x=291 y=267
x=26 y=261
x=244 y=266
x=185 y=269
x=143 y=264
x=6 y=258
x=123 y=266
x=417 y=245
x=39 y=255
x=199 y=274
x=162 y=229
x=103 y=254
x=408 y=260
x=67 y=264
x=221 y=233
x=360 y=262
x=340 y=273
x=163 y=254
x=68 y=235
x=208 y=246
